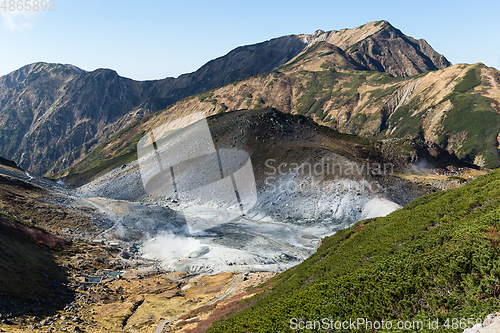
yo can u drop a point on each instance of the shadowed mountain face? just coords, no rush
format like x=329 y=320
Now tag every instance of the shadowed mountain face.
x=50 y=110
x=389 y=50
x=53 y=115
x=31 y=282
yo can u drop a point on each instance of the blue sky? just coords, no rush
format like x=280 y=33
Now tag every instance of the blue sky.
x=155 y=39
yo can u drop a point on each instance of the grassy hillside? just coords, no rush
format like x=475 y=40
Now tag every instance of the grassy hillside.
x=469 y=127
x=25 y=263
x=437 y=258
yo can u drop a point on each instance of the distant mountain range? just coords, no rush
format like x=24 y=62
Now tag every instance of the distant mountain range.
x=52 y=116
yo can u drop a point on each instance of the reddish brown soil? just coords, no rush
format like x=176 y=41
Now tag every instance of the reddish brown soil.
x=15 y=229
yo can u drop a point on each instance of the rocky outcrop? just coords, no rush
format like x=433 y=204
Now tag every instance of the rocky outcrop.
x=389 y=50
x=381 y=47
x=427 y=106
x=400 y=97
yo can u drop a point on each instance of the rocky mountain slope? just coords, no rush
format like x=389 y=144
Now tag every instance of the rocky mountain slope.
x=293 y=212
x=378 y=46
x=48 y=110
x=59 y=113
x=49 y=254
x=112 y=221
x=456 y=107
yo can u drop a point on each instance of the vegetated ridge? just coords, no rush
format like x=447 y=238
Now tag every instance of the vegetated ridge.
x=436 y=258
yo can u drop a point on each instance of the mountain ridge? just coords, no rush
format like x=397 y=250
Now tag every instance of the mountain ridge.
x=59 y=113
x=327 y=86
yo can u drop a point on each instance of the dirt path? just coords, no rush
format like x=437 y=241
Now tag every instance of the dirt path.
x=163 y=325
x=494 y=91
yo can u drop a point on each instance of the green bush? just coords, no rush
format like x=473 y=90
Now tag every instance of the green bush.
x=327 y=65
x=380 y=93
x=205 y=95
x=222 y=108
x=436 y=258
x=470 y=80
x=472 y=114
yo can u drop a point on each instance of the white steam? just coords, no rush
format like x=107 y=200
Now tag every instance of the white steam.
x=378 y=207
x=167 y=246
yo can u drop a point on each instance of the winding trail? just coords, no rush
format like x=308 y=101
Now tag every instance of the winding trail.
x=166 y=323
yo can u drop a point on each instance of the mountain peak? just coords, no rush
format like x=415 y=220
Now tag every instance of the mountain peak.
x=49 y=67
x=345 y=37
x=372 y=45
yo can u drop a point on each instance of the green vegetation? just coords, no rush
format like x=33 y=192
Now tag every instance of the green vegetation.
x=460 y=179
x=327 y=65
x=381 y=22
x=222 y=108
x=470 y=80
x=375 y=116
x=105 y=157
x=354 y=83
x=249 y=95
x=353 y=48
x=383 y=78
x=407 y=126
x=313 y=88
x=358 y=120
x=23 y=222
x=328 y=78
x=379 y=93
x=472 y=114
x=319 y=88
x=308 y=104
x=436 y=258
x=60 y=69
x=205 y=95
